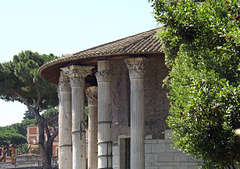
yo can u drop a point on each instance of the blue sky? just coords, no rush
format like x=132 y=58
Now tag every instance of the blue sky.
x=65 y=27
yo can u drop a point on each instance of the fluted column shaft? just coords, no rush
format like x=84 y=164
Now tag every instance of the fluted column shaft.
x=64 y=122
x=136 y=67
x=77 y=75
x=92 y=94
x=104 y=115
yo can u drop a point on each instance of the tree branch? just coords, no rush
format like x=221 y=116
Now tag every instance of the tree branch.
x=36 y=113
x=30 y=108
x=47 y=130
x=3 y=158
x=17 y=94
x=50 y=140
x=40 y=96
x=41 y=133
x=51 y=120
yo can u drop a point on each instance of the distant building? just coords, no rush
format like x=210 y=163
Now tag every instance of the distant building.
x=33 y=139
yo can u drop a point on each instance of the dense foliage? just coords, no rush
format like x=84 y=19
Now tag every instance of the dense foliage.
x=201 y=42
x=20 y=78
x=10 y=137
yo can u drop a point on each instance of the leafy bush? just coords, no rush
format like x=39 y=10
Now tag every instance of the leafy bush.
x=201 y=42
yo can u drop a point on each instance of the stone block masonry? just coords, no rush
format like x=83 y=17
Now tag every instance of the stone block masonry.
x=159 y=154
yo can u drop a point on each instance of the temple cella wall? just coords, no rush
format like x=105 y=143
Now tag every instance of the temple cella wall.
x=159 y=153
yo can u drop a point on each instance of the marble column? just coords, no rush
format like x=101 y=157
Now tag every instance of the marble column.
x=104 y=115
x=64 y=122
x=77 y=75
x=136 y=67
x=92 y=94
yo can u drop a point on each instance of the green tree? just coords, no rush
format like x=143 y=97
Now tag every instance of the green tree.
x=19 y=81
x=28 y=115
x=9 y=138
x=201 y=42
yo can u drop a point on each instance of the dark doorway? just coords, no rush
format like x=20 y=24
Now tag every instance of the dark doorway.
x=125 y=153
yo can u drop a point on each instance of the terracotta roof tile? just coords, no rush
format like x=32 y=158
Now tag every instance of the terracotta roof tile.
x=143 y=43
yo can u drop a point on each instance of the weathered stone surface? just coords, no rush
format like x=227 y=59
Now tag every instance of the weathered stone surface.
x=156 y=104
x=120 y=88
x=65 y=121
x=160 y=154
x=92 y=94
x=158 y=146
x=77 y=75
x=166 y=156
x=104 y=115
x=136 y=67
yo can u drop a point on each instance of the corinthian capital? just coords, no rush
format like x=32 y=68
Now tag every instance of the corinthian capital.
x=77 y=74
x=92 y=95
x=136 y=67
x=103 y=76
x=64 y=83
x=104 y=73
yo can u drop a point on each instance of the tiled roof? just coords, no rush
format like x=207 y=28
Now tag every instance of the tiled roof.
x=143 y=43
